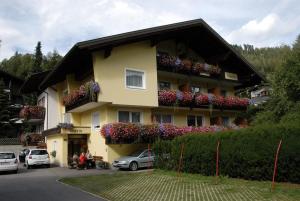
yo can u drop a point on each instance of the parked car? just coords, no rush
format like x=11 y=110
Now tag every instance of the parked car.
x=8 y=162
x=22 y=155
x=136 y=160
x=37 y=157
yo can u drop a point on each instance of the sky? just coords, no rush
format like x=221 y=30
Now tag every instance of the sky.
x=59 y=24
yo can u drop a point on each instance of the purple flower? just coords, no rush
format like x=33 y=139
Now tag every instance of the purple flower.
x=95 y=87
x=179 y=95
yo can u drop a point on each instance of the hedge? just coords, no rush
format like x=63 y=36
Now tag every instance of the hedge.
x=247 y=153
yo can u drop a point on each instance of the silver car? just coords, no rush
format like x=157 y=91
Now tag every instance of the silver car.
x=136 y=160
x=8 y=162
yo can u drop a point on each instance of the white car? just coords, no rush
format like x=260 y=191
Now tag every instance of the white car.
x=37 y=157
x=8 y=162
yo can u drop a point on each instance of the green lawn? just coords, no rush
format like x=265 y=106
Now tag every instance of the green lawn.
x=162 y=185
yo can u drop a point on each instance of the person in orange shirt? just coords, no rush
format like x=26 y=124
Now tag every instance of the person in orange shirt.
x=82 y=161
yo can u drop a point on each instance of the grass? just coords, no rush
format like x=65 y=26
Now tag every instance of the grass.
x=165 y=185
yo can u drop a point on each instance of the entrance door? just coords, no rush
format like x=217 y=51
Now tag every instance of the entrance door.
x=76 y=144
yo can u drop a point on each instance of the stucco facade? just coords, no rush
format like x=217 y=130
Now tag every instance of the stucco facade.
x=109 y=62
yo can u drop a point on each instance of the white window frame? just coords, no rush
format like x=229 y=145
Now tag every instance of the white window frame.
x=130 y=115
x=195 y=116
x=160 y=122
x=92 y=121
x=143 y=78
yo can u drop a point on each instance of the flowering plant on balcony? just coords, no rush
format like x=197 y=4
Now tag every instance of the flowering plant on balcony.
x=150 y=132
x=243 y=102
x=32 y=112
x=184 y=98
x=216 y=100
x=168 y=131
x=167 y=97
x=233 y=101
x=121 y=132
x=186 y=65
x=129 y=132
x=73 y=97
x=201 y=99
x=89 y=89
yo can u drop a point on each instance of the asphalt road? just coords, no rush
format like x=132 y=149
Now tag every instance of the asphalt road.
x=41 y=184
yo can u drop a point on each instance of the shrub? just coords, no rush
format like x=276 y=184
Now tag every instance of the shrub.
x=246 y=153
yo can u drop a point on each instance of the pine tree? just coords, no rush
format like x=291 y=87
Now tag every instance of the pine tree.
x=38 y=59
x=4 y=109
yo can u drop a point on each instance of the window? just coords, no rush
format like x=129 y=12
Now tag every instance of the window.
x=135 y=79
x=194 y=120
x=195 y=89
x=41 y=102
x=163 y=118
x=164 y=85
x=126 y=116
x=95 y=121
x=225 y=121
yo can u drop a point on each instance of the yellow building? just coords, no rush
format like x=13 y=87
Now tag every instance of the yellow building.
x=130 y=69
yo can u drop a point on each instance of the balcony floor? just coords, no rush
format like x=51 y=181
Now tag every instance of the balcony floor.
x=85 y=107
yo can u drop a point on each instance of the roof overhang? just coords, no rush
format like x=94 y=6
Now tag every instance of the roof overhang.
x=194 y=27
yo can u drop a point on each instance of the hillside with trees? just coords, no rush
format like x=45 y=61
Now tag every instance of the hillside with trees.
x=266 y=59
x=23 y=65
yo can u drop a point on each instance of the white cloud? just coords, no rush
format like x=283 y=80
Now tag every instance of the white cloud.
x=264 y=32
x=59 y=24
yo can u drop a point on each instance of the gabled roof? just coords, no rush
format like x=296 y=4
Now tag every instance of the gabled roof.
x=32 y=83
x=11 y=76
x=155 y=33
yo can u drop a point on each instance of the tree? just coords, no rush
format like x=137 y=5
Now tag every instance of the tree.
x=4 y=109
x=285 y=99
x=38 y=59
x=51 y=59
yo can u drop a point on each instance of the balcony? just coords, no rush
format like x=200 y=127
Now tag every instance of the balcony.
x=185 y=66
x=33 y=114
x=188 y=99
x=82 y=99
x=173 y=65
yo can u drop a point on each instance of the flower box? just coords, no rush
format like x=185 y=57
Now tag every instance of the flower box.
x=187 y=66
x=120 y=133
x=167 y=97
x=32 y=112
x=86 y=93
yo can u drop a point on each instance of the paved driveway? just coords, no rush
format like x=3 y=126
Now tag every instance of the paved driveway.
x=42 y=185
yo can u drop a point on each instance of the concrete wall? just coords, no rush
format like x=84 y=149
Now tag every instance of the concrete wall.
x=52 y=115
x=14 y=148
x=59 y=143
x=110 y=74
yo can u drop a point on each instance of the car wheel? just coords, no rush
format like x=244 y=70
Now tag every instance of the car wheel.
x=48 y=166
x=15 y=171
x=133 y=166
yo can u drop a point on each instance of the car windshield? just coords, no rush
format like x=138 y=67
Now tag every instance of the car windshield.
x=7 y=155
x=136 y=154
x=39 y=152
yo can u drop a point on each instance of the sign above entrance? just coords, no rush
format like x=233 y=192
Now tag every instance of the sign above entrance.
x=76 y=130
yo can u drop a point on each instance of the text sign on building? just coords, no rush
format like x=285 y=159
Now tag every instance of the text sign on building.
x=76 y=131
x=231 y=76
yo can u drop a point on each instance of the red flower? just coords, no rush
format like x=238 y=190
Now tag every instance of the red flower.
x=166 y=97
x=201 y=99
